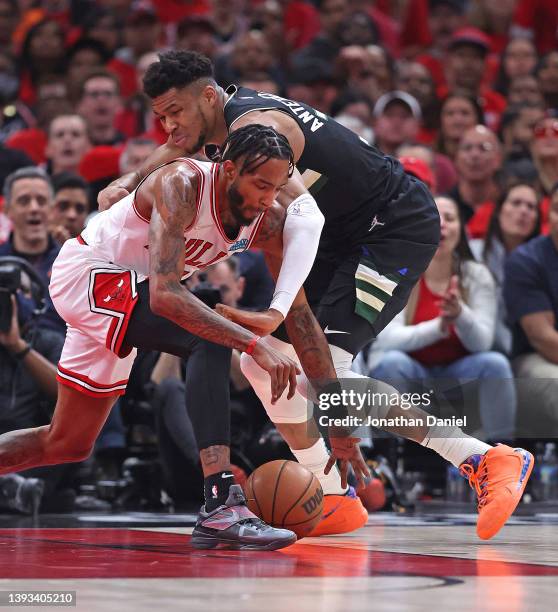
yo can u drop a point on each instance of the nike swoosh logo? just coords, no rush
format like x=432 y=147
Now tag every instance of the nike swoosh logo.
x=334 y=331
x=227 y=475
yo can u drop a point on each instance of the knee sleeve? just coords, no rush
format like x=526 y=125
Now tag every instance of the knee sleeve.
x=295 y=410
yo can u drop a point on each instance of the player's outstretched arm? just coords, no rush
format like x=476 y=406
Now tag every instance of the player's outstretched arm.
x=175 y=191
x=304 y=220
x=124 y=185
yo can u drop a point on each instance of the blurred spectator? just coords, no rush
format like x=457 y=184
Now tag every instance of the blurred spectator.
x=357 y=126
x=269 y=17
x=419 y=169
x=544 y=151
x=43 y=54
x=136 y=151
x=444 y=174
x=28 y=389
x=465 y=68
x=525 y=90
x=518 y=59
x=458 y=113
x=368 y=70
x=515 y=220
x=137 y=117
x=359 y=29
x=386 y=23
x=251 y=54
x=85 y=55
x=99 y=103
x=70 y=207
x=531 y=295
x=477 y=161
x=538 y=20
x=447 y=329
x=102 y=25
x=353 y=104
x=141 y=36
x=326 y=44
x=14 y=115
x=547 y=76
x=67 y=143
x=431 y=23
x=229 y=22
x=311 y=81
x=396 y=121
x=258 y=284
x=197 y=33
x=52 y=100
x=517 y=127
x=494 y=17
x=9 y=16
x=11 y=160
x=415 y=79
x=27 y=202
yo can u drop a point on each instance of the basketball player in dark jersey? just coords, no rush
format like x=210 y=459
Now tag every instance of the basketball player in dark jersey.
x=381 y=231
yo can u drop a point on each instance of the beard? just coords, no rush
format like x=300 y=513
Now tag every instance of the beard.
x=202 y=138
x=235 y=206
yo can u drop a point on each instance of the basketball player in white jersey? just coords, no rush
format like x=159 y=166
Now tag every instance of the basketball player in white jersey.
x=184 y=216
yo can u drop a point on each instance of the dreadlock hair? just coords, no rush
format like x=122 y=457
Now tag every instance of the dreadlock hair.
x=176 y=69
x=256 y=144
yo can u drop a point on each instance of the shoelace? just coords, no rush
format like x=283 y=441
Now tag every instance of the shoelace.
x=478 y=480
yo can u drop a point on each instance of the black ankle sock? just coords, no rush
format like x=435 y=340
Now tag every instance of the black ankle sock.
x=216 y=489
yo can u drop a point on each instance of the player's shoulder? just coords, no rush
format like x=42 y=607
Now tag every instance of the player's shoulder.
x=270 y=232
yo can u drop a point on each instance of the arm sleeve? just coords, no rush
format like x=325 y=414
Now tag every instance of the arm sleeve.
x=476 y=324
x=301 y=235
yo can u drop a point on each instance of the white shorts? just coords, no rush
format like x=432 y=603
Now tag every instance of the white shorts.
x=96 y=299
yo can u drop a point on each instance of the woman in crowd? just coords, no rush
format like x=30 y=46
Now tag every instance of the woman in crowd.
x=458 y=113
x=515 y=220
x=447 y=330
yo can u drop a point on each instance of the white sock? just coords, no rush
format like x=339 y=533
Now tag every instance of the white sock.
x=315 y=459
x=453 y=445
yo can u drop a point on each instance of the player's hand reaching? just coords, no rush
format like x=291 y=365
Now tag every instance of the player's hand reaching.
x=110 y=195
x=346 y=449
x=260 y=323
x=280 y=368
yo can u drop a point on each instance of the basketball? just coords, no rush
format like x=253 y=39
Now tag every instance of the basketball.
x=285 y=494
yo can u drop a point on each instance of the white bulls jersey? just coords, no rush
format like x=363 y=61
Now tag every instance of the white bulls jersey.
x=120 y=235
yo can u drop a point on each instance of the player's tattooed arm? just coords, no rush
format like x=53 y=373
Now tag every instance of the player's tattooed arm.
x=175 y=192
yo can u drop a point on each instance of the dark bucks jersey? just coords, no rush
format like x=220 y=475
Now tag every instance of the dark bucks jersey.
x=350 y=180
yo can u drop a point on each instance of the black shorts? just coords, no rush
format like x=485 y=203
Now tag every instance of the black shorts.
x=355 y=291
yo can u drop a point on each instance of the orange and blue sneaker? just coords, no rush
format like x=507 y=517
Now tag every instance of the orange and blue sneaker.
x=499 y=478
x=341 y=514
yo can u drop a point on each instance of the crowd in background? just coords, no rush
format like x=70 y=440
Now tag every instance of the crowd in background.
x=463 y=92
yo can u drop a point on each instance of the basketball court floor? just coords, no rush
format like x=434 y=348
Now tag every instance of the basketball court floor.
x=397 y=562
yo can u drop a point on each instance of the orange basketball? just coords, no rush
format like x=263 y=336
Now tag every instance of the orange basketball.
x=285 y=494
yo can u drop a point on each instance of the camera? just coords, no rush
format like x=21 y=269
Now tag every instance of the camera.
x=10 y=282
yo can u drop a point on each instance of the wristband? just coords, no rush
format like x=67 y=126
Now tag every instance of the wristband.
x=250 y=348
x=19 y=356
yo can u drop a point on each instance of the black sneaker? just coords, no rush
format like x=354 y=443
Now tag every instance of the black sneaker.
x=233 y=526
